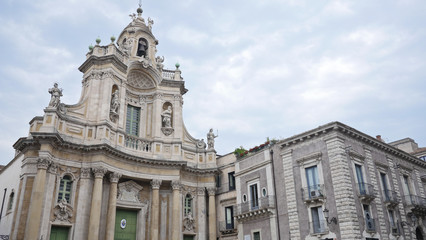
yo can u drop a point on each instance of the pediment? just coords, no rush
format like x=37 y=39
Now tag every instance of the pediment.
x=129 y=192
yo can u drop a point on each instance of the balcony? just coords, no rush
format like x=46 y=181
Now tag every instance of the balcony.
x=417 y=204
x=137 y=144
x=318 y=227
x=224 y=187
x=263 y=206
x=313 y=193
x=390 y=198
x=366 y=192
x=227 y=228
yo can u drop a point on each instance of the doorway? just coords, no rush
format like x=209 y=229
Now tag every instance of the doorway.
x=59 y=233
x=125 y=225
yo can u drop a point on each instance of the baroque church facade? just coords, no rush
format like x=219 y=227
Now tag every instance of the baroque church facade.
x=120 y=163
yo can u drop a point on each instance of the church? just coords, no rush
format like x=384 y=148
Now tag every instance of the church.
x=120 y=164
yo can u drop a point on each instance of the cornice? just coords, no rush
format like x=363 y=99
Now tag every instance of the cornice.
x=102 y=60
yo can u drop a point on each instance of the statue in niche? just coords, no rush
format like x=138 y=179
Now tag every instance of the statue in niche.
x=188 y=222
x=167 y=117
x=56 y=94
x=142 y=47
x=115 y=102
x=210 y=138
x=126 y=46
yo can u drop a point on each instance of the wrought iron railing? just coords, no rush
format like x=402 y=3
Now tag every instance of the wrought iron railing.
x=366 y=190
x=260 y=203
x=226 y=226
x=318 y=227
x=137 y=143
x=390 y=196
x=313 y=192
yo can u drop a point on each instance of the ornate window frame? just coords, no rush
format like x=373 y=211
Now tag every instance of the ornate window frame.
x=73 y=187
x=308 y=161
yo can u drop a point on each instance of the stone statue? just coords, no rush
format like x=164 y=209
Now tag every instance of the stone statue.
x=210 y=138
x=115 y=102
x=150 y=23
x=127 y=46
x=63 y=205
x=159 y=61
x=56 y=94
x=167 y=117
x=188 y=222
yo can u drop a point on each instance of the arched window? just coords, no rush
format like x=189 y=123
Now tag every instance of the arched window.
x=188 y=205
x=65 y=187
x=11 y=198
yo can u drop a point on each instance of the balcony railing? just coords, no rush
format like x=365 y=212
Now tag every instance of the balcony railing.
x=366 y=190
x=137 y=143
x=415 y=201
x=249 y=206
x=318 y=227
x=314 y=192
x=390 y=197
x=224 y=187
x=225 y=227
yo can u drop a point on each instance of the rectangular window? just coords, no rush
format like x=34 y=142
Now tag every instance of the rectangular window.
x=318 y=224
x=369 y=221
x=65 y=189
x=256 y=235
x=132 y=120
x=254 y=197
x=406 y=186
x=360 y=179
x=391 y=219
x=229 y=217
x=385 y=186
x=312 y=181
x=217 y=180
x=231 y=179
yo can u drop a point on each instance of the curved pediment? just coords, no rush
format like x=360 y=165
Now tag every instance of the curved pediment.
x=140 y=80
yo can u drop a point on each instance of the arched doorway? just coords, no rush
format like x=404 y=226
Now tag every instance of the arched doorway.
x=419 y=234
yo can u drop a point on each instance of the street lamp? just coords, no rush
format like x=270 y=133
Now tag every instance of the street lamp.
x=326 y=215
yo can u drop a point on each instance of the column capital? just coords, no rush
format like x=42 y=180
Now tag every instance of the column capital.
x=176 y=185
x=211 y=191
x=43 y=163
x=99 y=172
x=155 y=183
x=53 y=168
x=201 y=191
x=114 y=177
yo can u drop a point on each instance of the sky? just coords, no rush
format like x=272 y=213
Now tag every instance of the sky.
x=254 y=69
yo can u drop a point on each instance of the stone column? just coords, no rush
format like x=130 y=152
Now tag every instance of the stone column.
x=95 y=210
x=155 y=183
x=113 y=178
x=82 y=217
x=36 y=205
x=212 y=213
x=201 y=213
x=175 y=212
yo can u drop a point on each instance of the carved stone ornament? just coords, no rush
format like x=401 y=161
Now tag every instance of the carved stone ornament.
x=63 y=211
x=167 y=130
x=201 y=144
x=159 y=60
x=201 y=191
x=211 y=191
x=85 y=173
x=43 y=163
x=114 y=177
x=189 y=222
x=129 y=192
x=53 y=168
x=145 y=61
x=115 y=106
x=99 y=172
x=155 y=183
x=176 y=185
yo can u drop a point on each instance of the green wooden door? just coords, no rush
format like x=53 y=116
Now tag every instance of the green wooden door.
x=125 y=225
x=188 y=237
x=59 y=233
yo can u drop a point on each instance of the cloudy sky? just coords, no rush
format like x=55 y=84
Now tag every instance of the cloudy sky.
x=254 y=69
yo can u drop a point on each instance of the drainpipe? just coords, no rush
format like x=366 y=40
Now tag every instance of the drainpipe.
x=2 y=204
x=271 y=151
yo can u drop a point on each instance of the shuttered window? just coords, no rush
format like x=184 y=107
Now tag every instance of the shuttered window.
x=132 y=120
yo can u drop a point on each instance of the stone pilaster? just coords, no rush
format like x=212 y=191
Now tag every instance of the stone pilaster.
x=176 y=210
x=212 y=212
x=82 y=217
x=293 y=216
x=112 y=202
x=419 y=182
x=381 y=222
x=36 y=205
x=342 y=182
x=201 y=193
x=95 y=210
x=155 y=208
